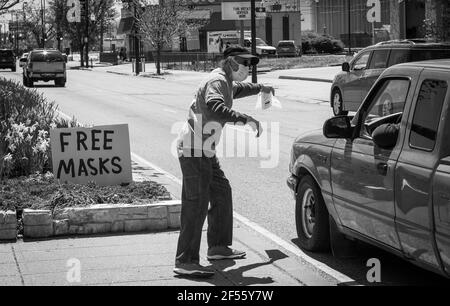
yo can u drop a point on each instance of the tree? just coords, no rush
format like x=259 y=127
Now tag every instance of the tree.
x=161 y=22
x=32 y=25
x=437 y=23
x=103 y=12
x=7 y=4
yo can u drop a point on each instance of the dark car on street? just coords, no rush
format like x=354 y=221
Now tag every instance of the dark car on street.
x=7 y=59
x=357 y=77
x=382 y=177
x=287 y=48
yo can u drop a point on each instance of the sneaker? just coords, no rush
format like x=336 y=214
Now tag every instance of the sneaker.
x=193 y=270
x=221 y=252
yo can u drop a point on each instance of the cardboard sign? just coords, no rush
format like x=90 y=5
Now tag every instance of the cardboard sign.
x=100 y=154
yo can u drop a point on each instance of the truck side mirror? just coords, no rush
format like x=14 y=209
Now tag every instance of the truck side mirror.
x=346 y=67
x=338 y=127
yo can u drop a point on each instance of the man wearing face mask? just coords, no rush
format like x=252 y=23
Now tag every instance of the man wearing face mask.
x=204 y=183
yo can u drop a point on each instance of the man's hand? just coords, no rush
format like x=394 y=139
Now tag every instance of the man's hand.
x=267 y=89
x=255 y=125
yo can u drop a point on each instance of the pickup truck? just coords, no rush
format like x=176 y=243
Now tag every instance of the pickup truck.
x=382 y=177
x=45 y=65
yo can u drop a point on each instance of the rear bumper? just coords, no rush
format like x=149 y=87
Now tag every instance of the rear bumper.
x=46 y=76
x=292 y=182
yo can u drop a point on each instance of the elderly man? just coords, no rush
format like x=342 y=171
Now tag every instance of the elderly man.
x=204 y=183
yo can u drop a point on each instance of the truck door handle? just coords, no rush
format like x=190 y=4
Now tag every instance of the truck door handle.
x=382 y=168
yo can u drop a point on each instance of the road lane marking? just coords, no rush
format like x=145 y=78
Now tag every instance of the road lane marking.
x=341 y=278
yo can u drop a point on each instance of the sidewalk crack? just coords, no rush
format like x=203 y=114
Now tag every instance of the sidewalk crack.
x=17 y=265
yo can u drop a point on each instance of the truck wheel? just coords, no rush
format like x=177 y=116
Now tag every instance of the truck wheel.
x=60 y=82
x=25 y=81
x=337 y=103
x=311 y=217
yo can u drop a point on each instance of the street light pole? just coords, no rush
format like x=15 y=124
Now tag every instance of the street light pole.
x=87 y=33
x=349 y=28
x=43 y=22
x=253 y=29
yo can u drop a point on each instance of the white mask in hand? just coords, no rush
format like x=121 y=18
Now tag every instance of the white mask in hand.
x=241 y=74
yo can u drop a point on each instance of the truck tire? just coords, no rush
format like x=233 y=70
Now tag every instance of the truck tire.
x=60 y=82
x=25 y=81
x=311 y=217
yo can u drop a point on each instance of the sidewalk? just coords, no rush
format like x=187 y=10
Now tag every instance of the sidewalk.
x=148 y=258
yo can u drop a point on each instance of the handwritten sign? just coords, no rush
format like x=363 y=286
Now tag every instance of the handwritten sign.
x=100 y=154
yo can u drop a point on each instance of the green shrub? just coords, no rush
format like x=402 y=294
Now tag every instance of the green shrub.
x=25 y=121
x=316 y=43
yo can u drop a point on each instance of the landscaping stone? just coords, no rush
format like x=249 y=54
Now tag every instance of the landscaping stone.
x=8 y=217
x=118 y=227
x=174 y=220
x=37 y=217
x=38 y=231
x=60 y=227
x=8 y=234
x=158 y=212
x=145 y=225
x=8 y=225
x=101 y=218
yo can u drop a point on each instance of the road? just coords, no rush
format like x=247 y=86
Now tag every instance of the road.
x=154 y=108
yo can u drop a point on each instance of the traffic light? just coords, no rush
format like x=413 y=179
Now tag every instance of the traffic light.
x=11 y=38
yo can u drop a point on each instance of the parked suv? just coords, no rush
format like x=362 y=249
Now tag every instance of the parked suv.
x=7 y=59
x=382 y=178
x=287 y=48
x=351 y=85
x=45 y=65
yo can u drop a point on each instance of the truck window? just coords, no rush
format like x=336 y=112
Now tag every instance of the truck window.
x=427 y=114
x=361 y=61
x=398 y=56
x=390 y=99
x=379 y=59
x=423 y=55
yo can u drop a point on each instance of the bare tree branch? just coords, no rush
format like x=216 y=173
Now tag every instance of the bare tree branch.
x=160 y=22
x=7 y=4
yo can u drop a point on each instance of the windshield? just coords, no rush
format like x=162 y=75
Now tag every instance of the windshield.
x=260 y=42
x=47 y=56
x=285 y=44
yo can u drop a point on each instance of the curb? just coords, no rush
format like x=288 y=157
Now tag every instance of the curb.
x=101 y=219
x=285 y=77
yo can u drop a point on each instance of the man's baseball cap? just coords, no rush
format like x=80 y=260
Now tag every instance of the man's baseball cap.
x=235 y=50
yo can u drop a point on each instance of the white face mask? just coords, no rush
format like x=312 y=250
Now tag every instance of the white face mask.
x=241 y=74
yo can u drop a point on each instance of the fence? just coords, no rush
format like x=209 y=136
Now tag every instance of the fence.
x=196 y=61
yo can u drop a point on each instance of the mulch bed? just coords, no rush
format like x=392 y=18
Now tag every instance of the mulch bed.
x=43 y=192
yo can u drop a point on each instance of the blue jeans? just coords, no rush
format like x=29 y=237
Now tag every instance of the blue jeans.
x=203 y=183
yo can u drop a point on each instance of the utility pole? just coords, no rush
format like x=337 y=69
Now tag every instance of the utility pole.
x=136 y=41
x=86 y=38
x=349 y=28
x=43 y=23
x=253 y=28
